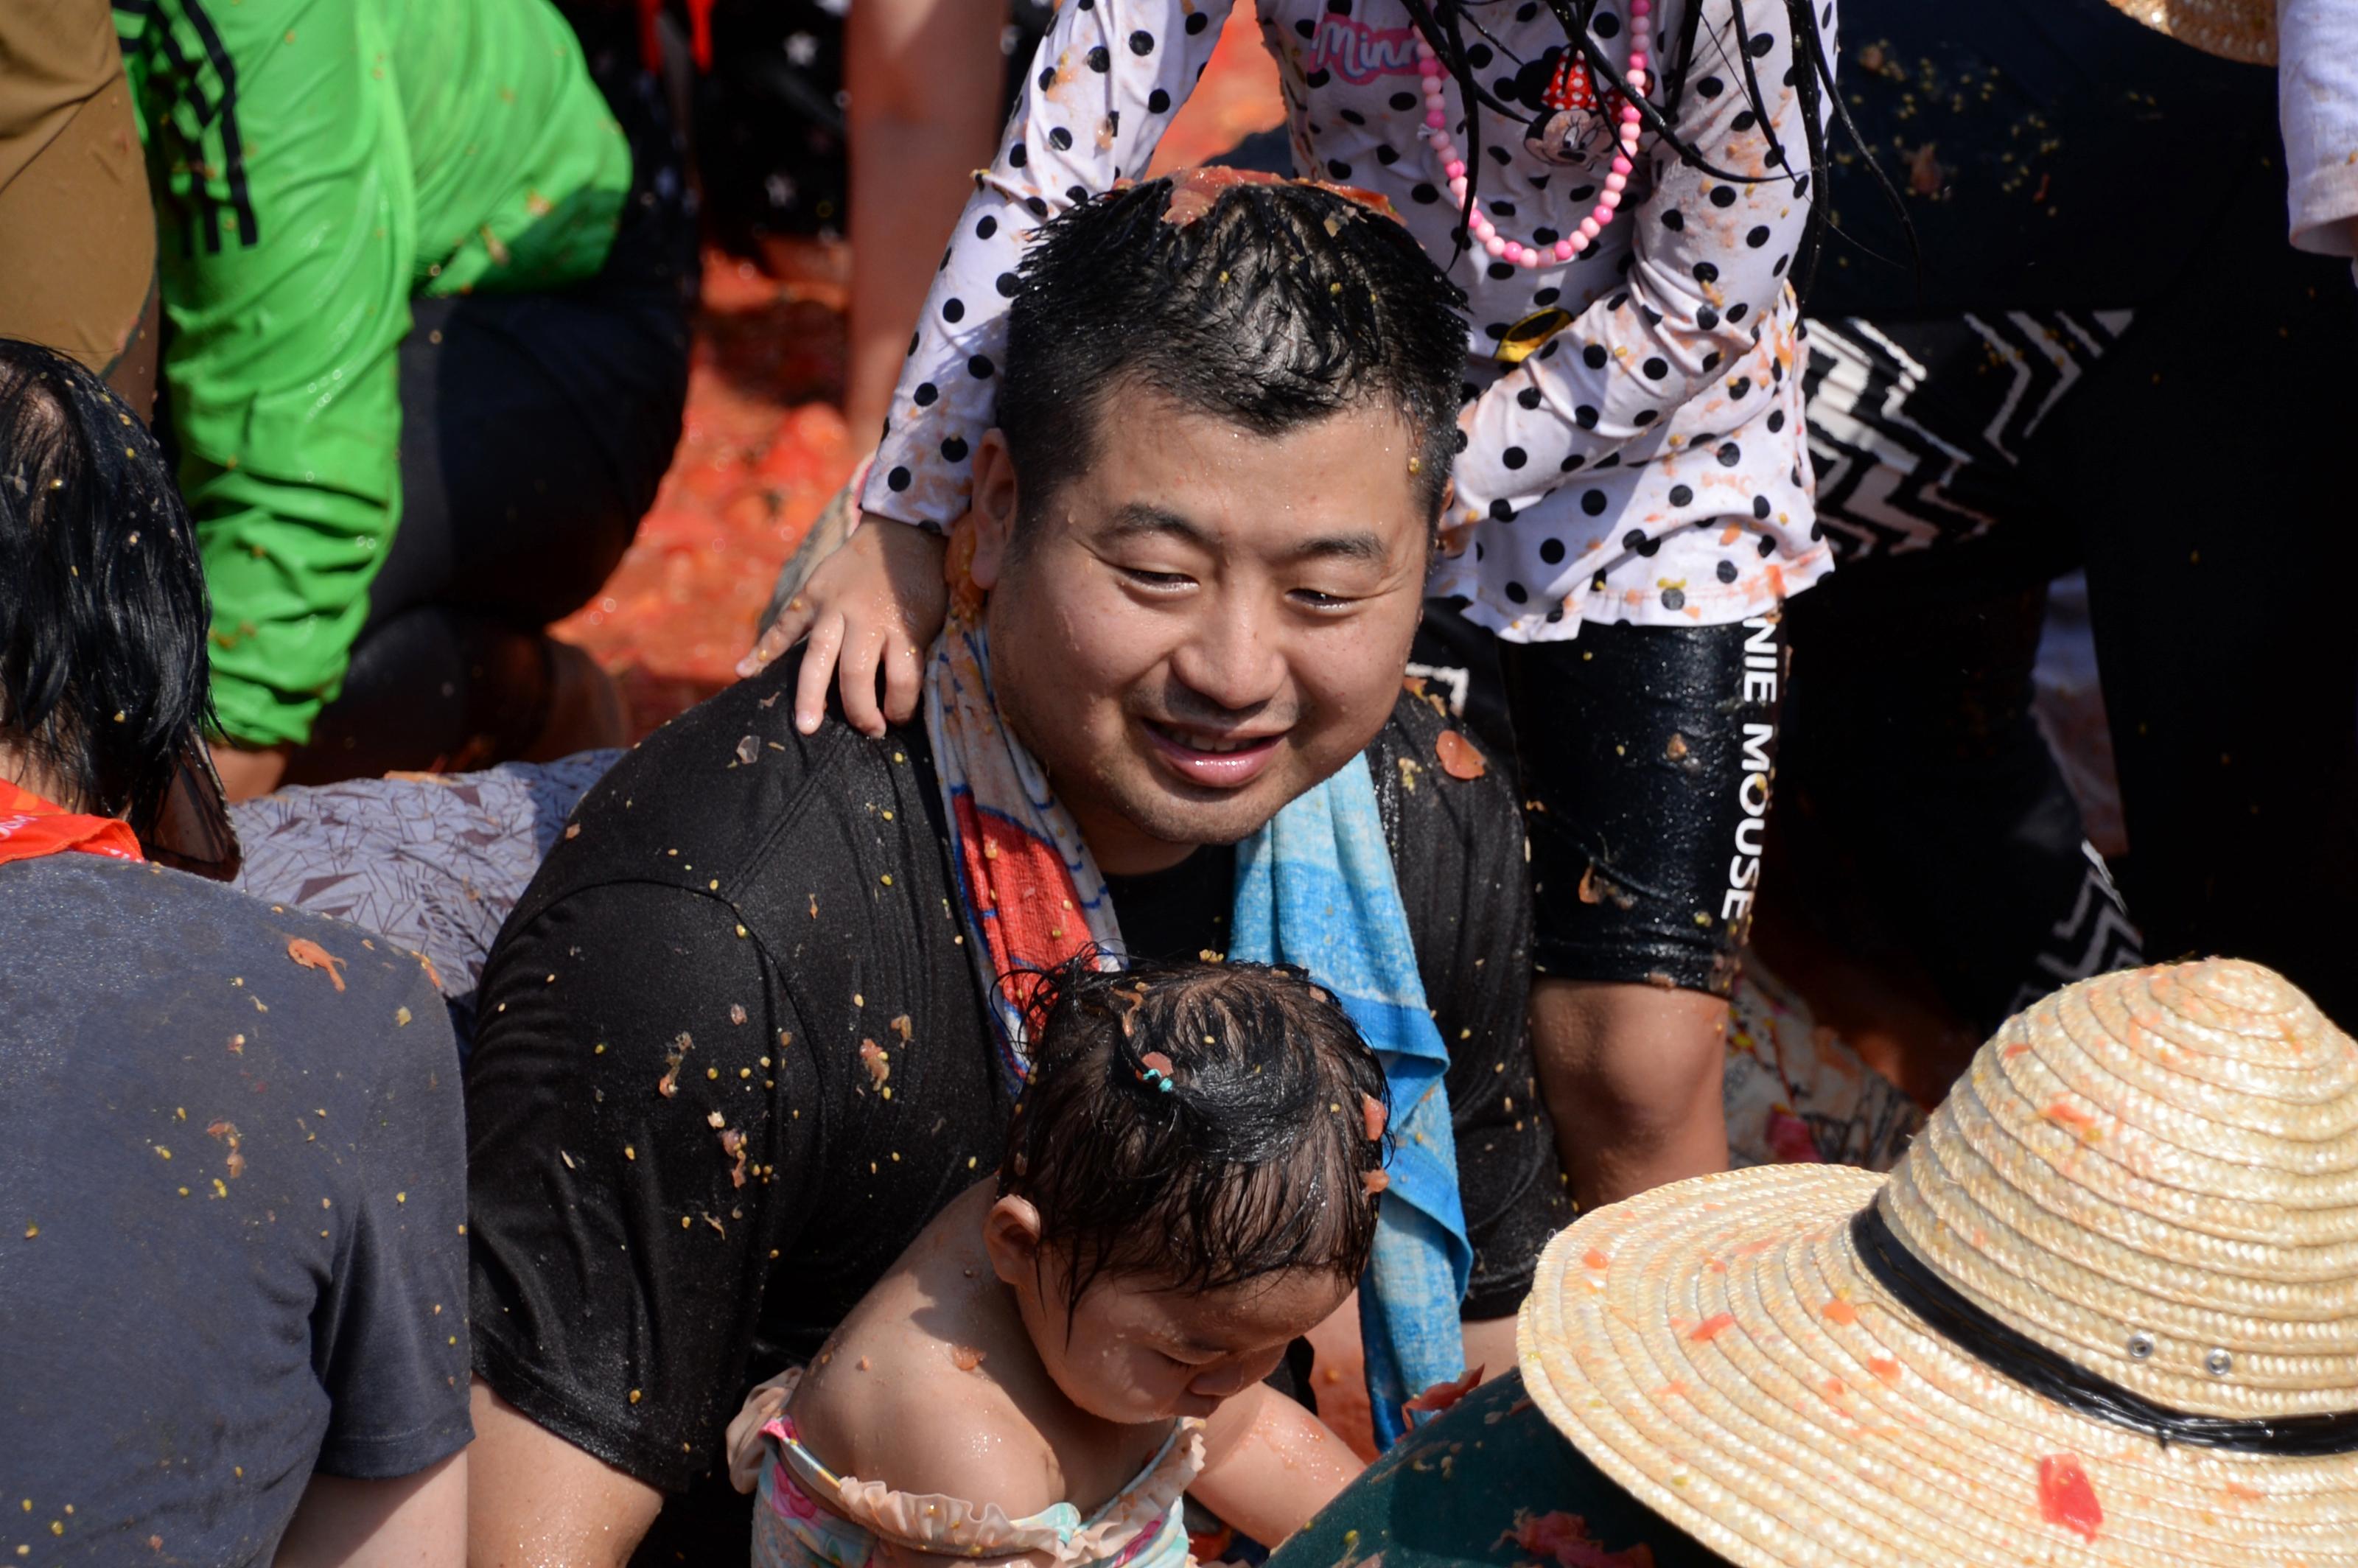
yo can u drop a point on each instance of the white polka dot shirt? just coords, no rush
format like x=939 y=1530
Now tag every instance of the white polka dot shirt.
x=1645 y=464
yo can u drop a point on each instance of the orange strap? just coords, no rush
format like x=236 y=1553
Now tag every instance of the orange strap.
x=31 y=827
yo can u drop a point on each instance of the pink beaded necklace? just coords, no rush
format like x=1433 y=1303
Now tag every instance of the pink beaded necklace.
x=1572 y=87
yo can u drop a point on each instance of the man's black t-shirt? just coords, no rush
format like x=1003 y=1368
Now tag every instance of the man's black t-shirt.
x=684 y=1174
x=1182 y=913
x=231 y=1199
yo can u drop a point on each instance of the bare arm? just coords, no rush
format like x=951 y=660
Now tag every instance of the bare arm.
x=1632 y=1076
x=1269 y=1465
x=1490 y=1346
x=413 y=1521
x=923 y=79
x=537 y=1499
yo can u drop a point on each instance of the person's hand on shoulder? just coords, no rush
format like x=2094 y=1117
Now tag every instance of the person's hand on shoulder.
x=876 y=604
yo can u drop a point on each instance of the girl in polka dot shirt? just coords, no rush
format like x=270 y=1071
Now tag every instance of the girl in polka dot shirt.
x=1633 y=488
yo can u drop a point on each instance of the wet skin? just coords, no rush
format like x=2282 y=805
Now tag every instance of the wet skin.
x=1205 y=623
x=962 y=1373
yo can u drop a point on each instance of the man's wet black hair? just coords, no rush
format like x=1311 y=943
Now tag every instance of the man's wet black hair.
x=1276 y=306
x=1249 y=1164
x=102 y=606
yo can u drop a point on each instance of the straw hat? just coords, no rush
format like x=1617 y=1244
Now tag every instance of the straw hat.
x=2139 y=1209
x=2242 y=30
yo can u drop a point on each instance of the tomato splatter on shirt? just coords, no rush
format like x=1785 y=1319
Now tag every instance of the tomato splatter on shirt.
x=1565 y=1537
x=1444 y=1394
x=1460 y=759
x=311 y=955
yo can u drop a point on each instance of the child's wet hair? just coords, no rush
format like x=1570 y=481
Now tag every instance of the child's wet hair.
x=1251 y=1162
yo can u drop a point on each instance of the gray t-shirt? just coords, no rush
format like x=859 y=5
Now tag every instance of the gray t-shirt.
x=233 y=1192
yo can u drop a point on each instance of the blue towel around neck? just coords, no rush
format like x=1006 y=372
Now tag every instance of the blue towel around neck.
x=1317 y=888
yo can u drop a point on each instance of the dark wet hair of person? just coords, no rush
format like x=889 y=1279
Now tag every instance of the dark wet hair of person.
x=102 y=606
x=1200 y=1124
x=1273 y=305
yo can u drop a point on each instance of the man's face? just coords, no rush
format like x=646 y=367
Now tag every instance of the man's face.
x=1206 y=622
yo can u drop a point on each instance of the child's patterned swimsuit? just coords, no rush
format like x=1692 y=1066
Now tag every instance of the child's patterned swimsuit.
x=1141 y=1527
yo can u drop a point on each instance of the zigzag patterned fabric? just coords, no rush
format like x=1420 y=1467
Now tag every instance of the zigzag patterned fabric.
x=1916 y=428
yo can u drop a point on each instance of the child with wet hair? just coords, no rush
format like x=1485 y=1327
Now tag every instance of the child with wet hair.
x=1190 y=1184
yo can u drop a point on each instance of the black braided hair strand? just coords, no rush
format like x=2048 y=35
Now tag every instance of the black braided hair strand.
x=1813 y=82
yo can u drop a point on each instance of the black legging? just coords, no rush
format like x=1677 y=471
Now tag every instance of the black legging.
x=535 y=428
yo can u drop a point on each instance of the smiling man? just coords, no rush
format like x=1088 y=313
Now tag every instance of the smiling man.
x=740 y=1042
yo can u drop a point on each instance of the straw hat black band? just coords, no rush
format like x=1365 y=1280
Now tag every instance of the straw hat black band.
x=2021 y=1359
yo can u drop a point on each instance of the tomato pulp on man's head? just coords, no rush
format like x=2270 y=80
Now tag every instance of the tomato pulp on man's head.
x=1204 y=623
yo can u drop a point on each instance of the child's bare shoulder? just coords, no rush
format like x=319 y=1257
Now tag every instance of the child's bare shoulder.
x=925 y=1416
x=917 y=1391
